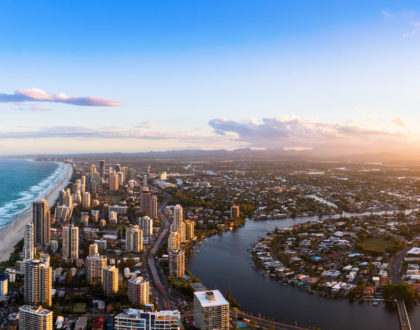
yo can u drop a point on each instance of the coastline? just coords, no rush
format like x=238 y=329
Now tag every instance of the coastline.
x=13 y=233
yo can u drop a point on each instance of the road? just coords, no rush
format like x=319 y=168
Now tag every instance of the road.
x=396 y=266
x=395 y=270
x=152 y=254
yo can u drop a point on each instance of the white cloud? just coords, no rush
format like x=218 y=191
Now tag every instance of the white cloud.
x=38 y=95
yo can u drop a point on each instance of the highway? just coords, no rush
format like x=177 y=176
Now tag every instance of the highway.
x=152 y=254
x=395 y=270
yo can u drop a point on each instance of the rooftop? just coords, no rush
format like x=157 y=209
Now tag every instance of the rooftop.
x=210 y=298
x=35 y=310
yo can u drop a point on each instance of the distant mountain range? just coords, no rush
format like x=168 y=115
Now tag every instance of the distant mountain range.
x=238 y=154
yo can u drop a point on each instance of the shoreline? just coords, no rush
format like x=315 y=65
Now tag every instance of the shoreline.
x=13 y=233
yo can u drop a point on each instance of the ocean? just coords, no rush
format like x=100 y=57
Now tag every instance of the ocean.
x=22 y=182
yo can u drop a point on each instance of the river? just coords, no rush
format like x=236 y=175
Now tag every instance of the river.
x=225 y=260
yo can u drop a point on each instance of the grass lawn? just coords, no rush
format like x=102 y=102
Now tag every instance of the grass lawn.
x=377 y=244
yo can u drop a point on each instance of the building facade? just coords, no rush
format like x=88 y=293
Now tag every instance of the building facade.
x=94 y=266
x=177 y=263
x=137 y=319
x=138 y=290
x=110 y=280
x=70 y=242
x=211 y=310
x=42 y=222
x=35 y=318
x=134 y=239
x=37 y=283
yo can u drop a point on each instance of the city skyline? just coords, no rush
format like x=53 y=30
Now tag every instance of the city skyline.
x=97 y=77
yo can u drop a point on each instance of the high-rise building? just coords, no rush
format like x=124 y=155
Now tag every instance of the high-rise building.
x=33 y=317
x=4 y=280
x=174 y=243
x=93 y=249
x=117 y=168
x=86 y=200
x=61 y=197
x=211 y=310
x=179 y=222
x=138 y=290
x=146 y=201
x=144 y=182
x=189 y=229
x=113 y=182
x=154 y=210
x=83 y=180
x=102 y=169
x=234 y=212
x=140 y=319
x=177 y=263
x=69 y=199
x=71 y=242
x=92 y=170
x=42 y=222
x=121 y=178
x=28 y=242
x=94 y=266
x=37 y=283
x=146 y=224
x=134 y=239
x=110 y=280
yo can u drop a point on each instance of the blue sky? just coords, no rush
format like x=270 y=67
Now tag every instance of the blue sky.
x=209 y=74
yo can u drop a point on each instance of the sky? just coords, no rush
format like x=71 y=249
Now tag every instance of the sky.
x=128 y=76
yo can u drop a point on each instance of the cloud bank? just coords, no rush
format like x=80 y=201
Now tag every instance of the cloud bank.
x=299 y=134
x=38 y=95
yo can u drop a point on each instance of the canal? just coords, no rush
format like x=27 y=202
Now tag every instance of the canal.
x=225 y=260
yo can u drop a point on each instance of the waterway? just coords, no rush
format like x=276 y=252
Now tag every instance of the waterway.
x=225 y=260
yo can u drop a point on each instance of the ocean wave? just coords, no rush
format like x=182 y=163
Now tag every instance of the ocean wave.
x=12 y=209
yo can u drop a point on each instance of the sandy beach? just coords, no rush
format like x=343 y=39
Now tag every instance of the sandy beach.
x=14 y=233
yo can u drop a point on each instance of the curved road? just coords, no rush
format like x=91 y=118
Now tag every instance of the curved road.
x=164 y=229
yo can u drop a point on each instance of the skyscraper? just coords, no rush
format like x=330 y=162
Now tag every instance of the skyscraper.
x=71 y=242
x=86 y=200
x=146 y=224
x=42 y=222
x=138 y=291
x=146 y=201
x=134 y=239
x=211 y=310
x=61 y=197
x=117 y=168
x=37 y=283
x=189 y=229
x=110 y=280
x=4 y=280
x=154 y=210
x=113 y=182
x=28 y=242
x=94 y=268
x=32 y=317
x=179 y=222
x=102 y=169
x=177 y=263
x=174 y=243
